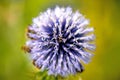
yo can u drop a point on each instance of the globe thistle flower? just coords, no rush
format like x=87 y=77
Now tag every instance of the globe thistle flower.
x=59 y=40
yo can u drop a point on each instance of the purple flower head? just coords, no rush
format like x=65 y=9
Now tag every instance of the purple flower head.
x=59 y=40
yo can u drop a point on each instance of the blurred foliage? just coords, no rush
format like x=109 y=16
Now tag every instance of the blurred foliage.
x=16 y=15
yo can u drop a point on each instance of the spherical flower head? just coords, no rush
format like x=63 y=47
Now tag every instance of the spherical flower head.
x=59 y=40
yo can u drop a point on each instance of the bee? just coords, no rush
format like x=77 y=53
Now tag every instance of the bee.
x=26 y=49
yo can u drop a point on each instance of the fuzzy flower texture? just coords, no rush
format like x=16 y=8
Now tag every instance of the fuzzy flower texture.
x=59 y=40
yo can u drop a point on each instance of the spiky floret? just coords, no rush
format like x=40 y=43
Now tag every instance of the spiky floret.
x=59 y=40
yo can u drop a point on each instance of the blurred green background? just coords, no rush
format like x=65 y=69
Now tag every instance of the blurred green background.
x=16 y=15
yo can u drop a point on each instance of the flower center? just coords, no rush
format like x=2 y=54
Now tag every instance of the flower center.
x=60 y=39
